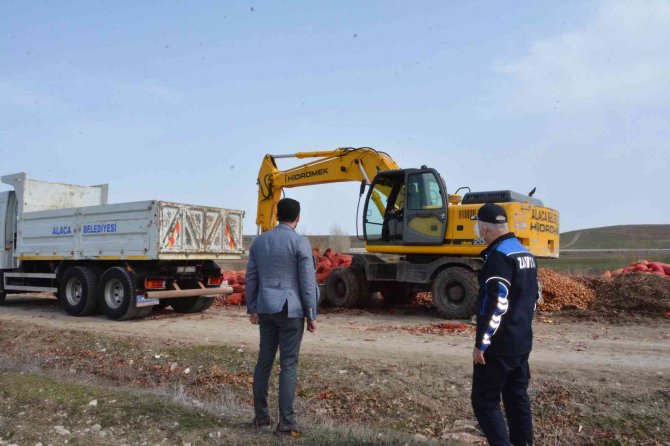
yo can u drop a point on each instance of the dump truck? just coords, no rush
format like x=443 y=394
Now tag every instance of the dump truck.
x=118 y=259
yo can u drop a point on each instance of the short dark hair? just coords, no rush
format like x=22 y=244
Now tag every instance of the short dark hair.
x=288 y=210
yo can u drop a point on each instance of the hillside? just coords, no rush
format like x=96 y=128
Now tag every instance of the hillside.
x=608 y=237
x=618 y=237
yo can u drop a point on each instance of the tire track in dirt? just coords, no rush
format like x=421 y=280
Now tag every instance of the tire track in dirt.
x=585 y=345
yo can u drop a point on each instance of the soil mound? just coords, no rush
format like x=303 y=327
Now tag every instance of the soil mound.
x=561 y=292
x=636 y=292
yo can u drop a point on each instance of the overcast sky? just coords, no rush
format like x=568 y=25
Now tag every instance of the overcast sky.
x=180 y=100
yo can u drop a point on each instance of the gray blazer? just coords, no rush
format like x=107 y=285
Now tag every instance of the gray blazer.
x=280 y=270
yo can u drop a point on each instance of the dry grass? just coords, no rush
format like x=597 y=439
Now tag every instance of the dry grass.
x=371 y=402
x=199 y=419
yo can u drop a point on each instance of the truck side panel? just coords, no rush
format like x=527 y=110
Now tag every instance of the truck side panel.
x=117 y=231
x=144 y=230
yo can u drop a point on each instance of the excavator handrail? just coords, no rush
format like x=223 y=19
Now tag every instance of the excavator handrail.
x=332 y=166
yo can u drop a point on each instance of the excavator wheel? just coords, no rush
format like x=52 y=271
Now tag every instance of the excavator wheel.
x=364 y=293
x=342 y=287
x=455 y=292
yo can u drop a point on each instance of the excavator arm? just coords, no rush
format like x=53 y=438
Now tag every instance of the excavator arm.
x=331 y=166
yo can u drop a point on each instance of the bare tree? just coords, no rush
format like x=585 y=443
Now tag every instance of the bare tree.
x=339 y=240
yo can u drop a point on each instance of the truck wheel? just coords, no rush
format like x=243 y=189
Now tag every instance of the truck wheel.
x=342 y=287
x=77 y=291
x=455 y=293
x=116 y=294
x=191 y=304
x=394 y=293
x=3 y=294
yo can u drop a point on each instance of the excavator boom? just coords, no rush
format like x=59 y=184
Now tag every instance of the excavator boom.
x=331 y=166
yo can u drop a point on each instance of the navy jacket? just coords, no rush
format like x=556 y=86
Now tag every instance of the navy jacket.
x=281 y=271
x=508 y=293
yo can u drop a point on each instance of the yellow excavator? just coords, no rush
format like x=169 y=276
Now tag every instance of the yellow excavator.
x=417 y=237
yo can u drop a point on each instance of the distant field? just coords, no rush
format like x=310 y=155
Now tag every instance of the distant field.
x=626 y=244
x=597 y=263
x=618 y=237
x=608 y=237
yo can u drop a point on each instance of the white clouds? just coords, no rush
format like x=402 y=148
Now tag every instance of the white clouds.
x=591 y=104
x=621 y=57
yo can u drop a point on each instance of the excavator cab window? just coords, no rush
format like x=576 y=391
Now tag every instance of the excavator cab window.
x=392 y=229
x=425 y=216
x=384 y=205
x=424 y=192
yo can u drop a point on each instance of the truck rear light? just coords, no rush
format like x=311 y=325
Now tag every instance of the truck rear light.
x=215 y=281
x=154 y=284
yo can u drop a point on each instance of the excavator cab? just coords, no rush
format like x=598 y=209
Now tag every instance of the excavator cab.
x=406 y=207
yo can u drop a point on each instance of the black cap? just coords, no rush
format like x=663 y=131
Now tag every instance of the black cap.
x=491 y=213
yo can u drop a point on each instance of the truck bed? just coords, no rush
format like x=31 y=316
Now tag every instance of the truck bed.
x=143 y=230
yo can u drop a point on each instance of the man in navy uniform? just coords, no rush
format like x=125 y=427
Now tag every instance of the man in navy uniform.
x=507 y=297
x=281 y=294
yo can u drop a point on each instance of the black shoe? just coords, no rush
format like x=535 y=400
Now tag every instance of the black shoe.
x=293 y=432
x=260 y=424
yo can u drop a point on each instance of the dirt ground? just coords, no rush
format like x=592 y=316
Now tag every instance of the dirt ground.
x=593 y=382
x=366 y=334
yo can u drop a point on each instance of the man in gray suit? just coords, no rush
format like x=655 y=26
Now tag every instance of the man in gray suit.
x=281 y=293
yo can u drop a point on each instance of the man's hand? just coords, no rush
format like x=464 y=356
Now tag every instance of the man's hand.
x=253 y=318
x=311 y=326
x=478 y=356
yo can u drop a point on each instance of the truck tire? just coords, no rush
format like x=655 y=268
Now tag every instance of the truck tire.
x=3 y=293
x=396 y=293
x=455 y=292
x=162 y=304
x=191 y=304
x=342 y=287
x=78 y=291
x=364 y=293
x=116 y=294
x=143 y=312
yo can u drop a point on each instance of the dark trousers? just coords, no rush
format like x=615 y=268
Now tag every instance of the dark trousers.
x=278 y=331
x=505 y=376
